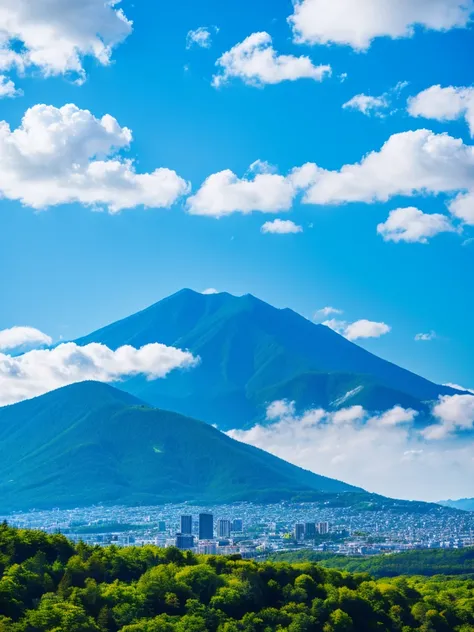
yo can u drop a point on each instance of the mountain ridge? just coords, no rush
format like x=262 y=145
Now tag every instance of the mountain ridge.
x=247 y=348
x=89 y=443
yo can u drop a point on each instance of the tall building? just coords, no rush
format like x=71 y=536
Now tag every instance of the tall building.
x=186 y=524
x=206 y=526
x=299 y=532
x=223 y=528
x=310 y=530
x=184 y=541
x=237 y=526
x=162 y=526
x=323 y=528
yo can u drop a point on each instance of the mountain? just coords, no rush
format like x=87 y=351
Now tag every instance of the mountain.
x=465 y=504
x=91 y=443
x=251 y=354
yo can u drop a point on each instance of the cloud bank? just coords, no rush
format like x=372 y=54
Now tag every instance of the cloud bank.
x=19 y=337
x=40 y=371
x=383 y=453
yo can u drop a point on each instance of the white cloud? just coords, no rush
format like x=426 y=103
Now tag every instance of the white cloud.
x=7 y=88
x=455 y=412
x=367 y=104
x=201 y=37
x=256 y=62
x=410 y=163
x=211 y=290
x=376 y=106
x=37 y=372
x=281 y=227
x=280 y=408
x=413 y=226
x=360 y=329
x=457 y=387
x=357 y=24
x=327 y=311
x=462 y=207
x=261 y=190
x=18 y=337
x=65 y=155
x=56 y=35
x=426 y=337
x=383 y=453
x=444 y=104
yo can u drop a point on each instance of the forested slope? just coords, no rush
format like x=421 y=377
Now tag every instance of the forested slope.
x=48 y=585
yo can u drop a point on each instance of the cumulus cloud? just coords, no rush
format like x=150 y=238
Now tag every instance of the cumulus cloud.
x=19 y=337
x=327 y=311
x=367 y=104
x=256 y=63
x=383 y=453
x=375 y=105
x=211 y=290
x=261 y=190
x=281 y=227
x=65 y=155
x=360 y=329
x=455 y=413
x=37 y=372
x=7 y=88
x=413 y=226
x=410 y=163
x=444 y=104
x=426 y=337
x=201 y=37
x=56 y=35
x=357 y=24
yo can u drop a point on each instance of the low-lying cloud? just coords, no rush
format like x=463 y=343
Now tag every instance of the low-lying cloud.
x=384 y=453
x=39 y=371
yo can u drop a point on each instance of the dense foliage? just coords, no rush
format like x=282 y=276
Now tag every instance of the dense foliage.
x=48 y=585
x=424 y=562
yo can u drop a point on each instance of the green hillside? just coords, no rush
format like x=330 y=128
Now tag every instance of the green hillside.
x=424 y=562
x=49 y=585
x=252 y=353
x=91 y=443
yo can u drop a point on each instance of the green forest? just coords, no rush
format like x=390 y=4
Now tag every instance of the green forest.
x=48 y=584
x=423 y=562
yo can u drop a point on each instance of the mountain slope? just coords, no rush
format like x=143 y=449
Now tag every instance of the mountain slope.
x=91 y=443
x=247 y=349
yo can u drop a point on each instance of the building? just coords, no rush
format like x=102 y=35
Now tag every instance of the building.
x=184 y=541
x=187 y=524
x=299 y=532
x=323 y=528
x=206 y=526
x=224 y=528
x=161 y=526
x=207 y=548
x=310 y=530
x=237 y=526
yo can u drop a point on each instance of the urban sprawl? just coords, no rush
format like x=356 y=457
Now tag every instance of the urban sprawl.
x=255 y=531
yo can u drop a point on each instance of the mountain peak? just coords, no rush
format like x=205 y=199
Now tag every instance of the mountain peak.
x=249 y=350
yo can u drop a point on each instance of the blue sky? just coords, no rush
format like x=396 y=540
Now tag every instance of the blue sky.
x=69 y=269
